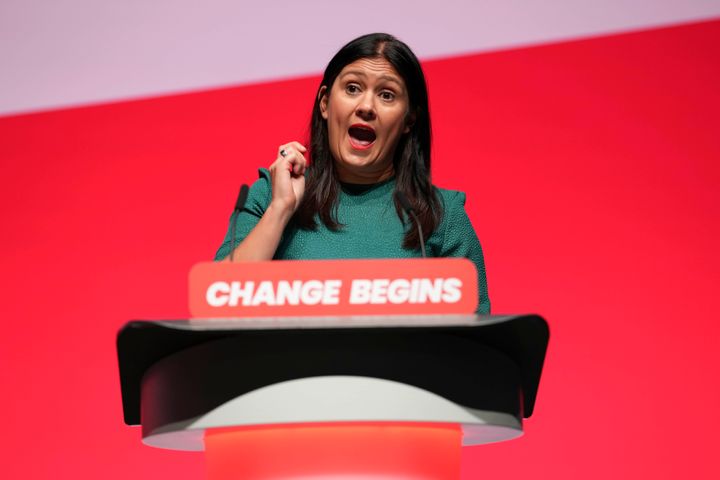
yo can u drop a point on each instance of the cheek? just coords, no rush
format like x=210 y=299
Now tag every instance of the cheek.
x=399 y=126
x=334 y=130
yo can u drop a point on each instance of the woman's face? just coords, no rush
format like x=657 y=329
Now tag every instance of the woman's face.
x=366 y=112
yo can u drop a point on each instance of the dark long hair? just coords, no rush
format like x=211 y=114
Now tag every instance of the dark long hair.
x=412 y=154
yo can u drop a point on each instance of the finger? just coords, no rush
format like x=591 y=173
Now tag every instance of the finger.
x=286 y=150
x=293 y=152
x=305 y=161
x=295 y=160
x=306 y=157
x=280 y=163
x=299 y=146
x=299 y=163
x=283 y=149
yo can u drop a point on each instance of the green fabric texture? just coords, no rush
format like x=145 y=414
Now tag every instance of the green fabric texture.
x=372 y=229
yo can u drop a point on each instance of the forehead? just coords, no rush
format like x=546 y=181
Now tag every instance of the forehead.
x=372 y=68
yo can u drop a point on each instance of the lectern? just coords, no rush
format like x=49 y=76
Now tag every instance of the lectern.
x=331 y=397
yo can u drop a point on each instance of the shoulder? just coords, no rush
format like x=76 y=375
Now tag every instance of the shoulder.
x=454 y=222
x=452 y=214
x=262 y=187
x=263 y=180
x=260 y=193
x=451 y=200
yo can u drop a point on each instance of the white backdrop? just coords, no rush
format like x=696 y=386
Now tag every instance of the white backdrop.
x=62 y=53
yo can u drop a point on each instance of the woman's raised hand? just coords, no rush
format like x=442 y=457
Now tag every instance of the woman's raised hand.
x=287 y=174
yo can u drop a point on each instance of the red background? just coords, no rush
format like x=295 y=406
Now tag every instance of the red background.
x=592 y=175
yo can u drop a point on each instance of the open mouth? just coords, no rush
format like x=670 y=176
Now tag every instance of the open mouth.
x=361 y=136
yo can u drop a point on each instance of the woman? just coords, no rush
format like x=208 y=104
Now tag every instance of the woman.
x=370 y=138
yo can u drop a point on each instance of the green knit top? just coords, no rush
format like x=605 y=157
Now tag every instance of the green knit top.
x=371 y=229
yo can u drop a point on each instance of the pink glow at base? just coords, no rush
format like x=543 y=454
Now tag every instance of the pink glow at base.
x=379 y=451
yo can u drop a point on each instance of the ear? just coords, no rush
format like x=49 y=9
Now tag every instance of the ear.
x=323 y=99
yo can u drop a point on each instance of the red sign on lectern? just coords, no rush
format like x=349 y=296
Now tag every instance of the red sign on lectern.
x=333 y=287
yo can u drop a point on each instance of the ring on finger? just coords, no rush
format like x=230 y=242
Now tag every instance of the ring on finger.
x=283 y=152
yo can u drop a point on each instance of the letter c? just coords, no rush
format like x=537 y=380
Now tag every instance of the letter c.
x=217 y=294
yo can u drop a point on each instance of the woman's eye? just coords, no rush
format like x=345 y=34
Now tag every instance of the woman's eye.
x=388 y=96
x=352 y=88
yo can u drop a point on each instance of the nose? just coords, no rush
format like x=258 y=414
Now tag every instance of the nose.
x=365 y=107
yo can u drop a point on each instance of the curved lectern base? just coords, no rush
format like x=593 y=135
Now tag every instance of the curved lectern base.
x=334 y=400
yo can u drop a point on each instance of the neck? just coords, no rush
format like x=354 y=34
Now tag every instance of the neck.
x=363 y=177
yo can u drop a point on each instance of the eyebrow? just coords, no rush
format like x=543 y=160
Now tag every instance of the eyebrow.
x=360 y=73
